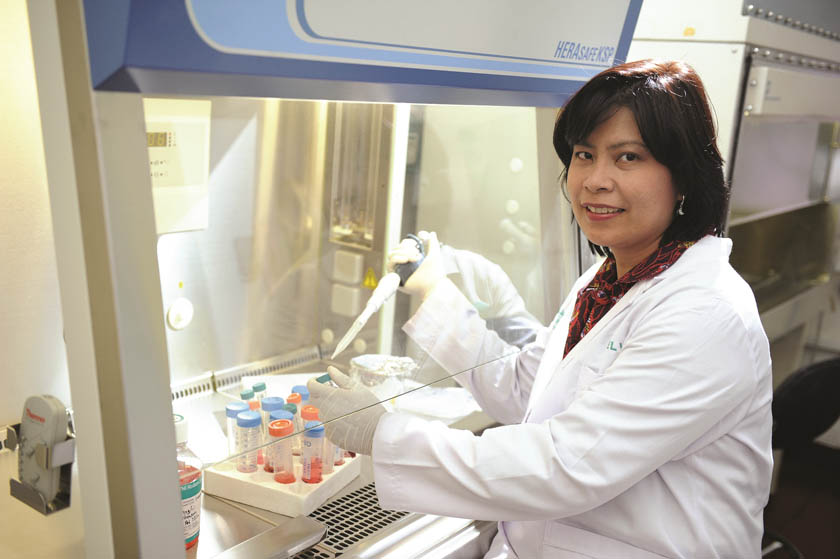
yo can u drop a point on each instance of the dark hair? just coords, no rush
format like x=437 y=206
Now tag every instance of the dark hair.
x=671 y=109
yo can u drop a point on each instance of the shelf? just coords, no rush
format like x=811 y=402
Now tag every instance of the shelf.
x=736 y=219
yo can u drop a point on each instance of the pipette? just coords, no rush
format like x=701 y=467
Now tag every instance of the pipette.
x=386 y=288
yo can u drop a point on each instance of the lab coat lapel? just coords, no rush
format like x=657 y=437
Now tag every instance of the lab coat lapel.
x=710 y=250
x=704 y=249
x=632 y=294
x=557 y=365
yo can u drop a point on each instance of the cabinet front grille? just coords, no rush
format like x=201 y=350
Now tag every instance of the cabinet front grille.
x=350 y=519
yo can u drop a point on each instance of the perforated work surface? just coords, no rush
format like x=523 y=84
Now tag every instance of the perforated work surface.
x=314 y=553
x=350 y=519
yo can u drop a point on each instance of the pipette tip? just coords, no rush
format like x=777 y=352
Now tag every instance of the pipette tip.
x=342 y=345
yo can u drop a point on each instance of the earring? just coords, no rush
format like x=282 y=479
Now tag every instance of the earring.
x=680 y=209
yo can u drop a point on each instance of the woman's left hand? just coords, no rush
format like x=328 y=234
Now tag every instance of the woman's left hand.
x=350 y=412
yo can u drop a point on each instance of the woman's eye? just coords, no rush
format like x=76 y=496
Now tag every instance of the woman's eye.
x=628 y=157
x=583 y=155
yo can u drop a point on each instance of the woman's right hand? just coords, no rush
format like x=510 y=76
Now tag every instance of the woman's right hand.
x=431 y=270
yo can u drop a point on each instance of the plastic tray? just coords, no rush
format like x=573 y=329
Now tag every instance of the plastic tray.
x=259 y=489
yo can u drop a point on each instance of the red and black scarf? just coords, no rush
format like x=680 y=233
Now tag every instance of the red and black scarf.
x=605 y=289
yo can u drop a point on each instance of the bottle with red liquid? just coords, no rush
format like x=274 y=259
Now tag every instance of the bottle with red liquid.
x=339 y=453
x=189 y=478
x=280 y=461
x=313 y=452
x=310 y=413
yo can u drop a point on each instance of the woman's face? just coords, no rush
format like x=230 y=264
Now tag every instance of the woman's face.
x=621 y=196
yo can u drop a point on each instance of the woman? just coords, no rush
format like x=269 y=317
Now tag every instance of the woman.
x=637 y=425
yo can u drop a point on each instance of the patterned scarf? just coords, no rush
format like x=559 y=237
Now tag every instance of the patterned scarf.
x=605 y=289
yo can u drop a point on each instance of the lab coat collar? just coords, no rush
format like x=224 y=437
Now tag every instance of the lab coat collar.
x=703 y=255
x=707 y=251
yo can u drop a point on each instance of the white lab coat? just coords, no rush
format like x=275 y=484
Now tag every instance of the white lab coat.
x=489 y=289
x=650 y=439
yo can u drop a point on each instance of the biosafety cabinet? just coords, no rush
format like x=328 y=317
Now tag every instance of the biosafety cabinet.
x=226 y=179
x=225 y=182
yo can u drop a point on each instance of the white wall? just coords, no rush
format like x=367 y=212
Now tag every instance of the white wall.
x=31 y=346
x=32 y=351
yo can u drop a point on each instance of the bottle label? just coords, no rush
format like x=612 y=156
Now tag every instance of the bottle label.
x=191 y=504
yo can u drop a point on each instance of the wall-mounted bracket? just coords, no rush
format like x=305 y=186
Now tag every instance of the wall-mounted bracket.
x=61 y=456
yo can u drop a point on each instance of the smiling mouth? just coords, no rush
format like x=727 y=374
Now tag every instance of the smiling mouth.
x=602 y=210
